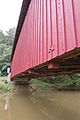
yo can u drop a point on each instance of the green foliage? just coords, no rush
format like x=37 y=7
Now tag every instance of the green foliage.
x=73 y=80
x=36 y=83
x=5 y=53
x=6 y=42
x=9 y=37
x=60 y=82
x=2 y=36
x=6 y=87
x=67 y=81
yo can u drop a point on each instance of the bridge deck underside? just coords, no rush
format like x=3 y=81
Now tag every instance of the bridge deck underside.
x=66 y=64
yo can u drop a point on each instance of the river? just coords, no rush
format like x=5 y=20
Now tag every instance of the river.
x=40 y=106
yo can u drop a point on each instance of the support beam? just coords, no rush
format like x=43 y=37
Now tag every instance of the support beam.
x=52 y=65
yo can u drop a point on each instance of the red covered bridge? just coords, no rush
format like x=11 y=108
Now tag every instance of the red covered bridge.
x=47 y=40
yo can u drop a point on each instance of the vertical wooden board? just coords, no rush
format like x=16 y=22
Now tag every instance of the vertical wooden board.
x=30 y=41
x=69 y=25
x=41 y=42
x=16 y=65
x=29 y=37
x=38 y=28
x=36 y=32
x=25 y=45
x=48 y=28
x=45 y=31
x=60 y=24
x=23 y=66
x=54 y=28
x=13 y=66
x=27 y=41
x=18 y=62
x=76 y=10
x=32 y=33
x=21 y=49
x=42 y=7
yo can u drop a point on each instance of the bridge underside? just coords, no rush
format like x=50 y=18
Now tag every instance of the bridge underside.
x=65 y=64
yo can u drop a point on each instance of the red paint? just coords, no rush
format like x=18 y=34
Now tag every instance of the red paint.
x=51 y=28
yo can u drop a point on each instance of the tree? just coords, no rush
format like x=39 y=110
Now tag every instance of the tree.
x=9 y=38
x=2 y=36
x=6 y=42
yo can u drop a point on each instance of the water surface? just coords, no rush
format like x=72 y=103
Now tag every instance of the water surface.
x=40 y=106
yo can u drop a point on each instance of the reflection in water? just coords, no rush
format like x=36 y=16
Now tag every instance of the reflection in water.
x=6 y=102
x=41 y=106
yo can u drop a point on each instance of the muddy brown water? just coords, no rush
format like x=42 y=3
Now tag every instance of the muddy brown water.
x=40 y=106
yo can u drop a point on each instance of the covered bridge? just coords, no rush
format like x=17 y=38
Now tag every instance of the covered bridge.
x=47 y=39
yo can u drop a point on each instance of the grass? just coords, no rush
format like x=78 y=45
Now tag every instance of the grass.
x=6 y=87
x=62 y=82
x=67 y=82
x=36 y=83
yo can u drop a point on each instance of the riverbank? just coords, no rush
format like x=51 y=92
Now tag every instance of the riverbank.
x=58 y=83
x=6 y=87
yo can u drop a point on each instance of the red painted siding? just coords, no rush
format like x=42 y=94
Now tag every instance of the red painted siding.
x=51 y=28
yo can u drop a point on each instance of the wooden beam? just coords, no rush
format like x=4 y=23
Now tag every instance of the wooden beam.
x=52 y=65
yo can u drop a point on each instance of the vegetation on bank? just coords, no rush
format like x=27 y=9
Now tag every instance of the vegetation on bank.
x=40 y=84
x=62 y=82
x=6 y=86
x=67 y=82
